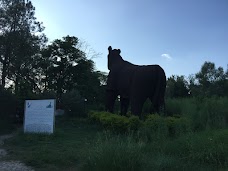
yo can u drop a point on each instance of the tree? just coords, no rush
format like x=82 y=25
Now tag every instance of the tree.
x=66 y=69
x=64 y=65
x=177 y=87
x=21 y=38
x=211 y=80
x=103 y=76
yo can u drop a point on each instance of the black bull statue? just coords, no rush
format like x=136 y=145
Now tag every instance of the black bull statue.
x=134 y=84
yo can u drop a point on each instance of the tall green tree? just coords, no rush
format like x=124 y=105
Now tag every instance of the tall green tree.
x=177 y=86
x=21 y=39
x=211 y=80
x=64 y=65
x=67 y=68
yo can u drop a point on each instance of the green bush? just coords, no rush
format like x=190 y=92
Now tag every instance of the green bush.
x=154 y=122
x=8 y=104
x=74 y=104
x=114 y=122
x=195 y=114
x=154 y=127
x=157 y=127
x=8 y=109
x=134 y=123
x=177 y=125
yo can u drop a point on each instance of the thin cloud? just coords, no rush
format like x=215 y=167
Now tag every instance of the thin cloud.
x=166 y=56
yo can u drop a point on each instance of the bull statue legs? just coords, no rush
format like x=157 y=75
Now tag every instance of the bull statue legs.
x=110 y=100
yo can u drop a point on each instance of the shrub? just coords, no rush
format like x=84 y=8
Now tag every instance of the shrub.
x=74 y=104
x=154 y=127
x=160 y=127
x=134 y=123
x=114 y=122
x=8 y=104
x=195 y=114
x=155 y=122
x=8 y=109
x=177 y=125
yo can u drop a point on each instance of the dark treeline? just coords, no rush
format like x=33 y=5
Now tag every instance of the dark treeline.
x=30 y=68
x=209 y=81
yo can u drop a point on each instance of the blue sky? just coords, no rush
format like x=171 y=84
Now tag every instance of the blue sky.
x=179 y=35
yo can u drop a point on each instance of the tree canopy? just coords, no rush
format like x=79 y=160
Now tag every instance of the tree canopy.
x=30 y=66
x=21 y=39
x=65 y=67
x=209 y=81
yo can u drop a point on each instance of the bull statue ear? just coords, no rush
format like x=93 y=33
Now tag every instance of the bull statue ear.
x=118 y=50
x=109 y=48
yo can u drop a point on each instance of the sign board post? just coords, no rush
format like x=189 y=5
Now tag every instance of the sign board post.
x=39 y=116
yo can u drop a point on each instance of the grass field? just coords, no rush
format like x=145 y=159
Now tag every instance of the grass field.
x=79 y=145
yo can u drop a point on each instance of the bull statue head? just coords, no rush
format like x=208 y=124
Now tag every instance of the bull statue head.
x=114 y=58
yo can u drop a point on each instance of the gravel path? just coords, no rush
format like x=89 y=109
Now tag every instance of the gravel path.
x=10 y=165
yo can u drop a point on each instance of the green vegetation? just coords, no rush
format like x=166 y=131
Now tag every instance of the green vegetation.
x=171 y=126
x=65 y=148
x=7 y=109
x=79 y=145
x=115 y=123
x=6 y=127
x=193 y=137
x=204 y=113
x=33 y=68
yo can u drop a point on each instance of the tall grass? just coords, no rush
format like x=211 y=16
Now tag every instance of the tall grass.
x=204 y=113
x=208 y=147
x=200 y=144
x=115 y=153
x=78 y=145
x=207 y=150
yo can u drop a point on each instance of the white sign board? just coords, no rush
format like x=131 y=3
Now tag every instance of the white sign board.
x=39 y=116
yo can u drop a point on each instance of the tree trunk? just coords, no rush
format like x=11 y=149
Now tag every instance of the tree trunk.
x=4 y=68
x=16 y=85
